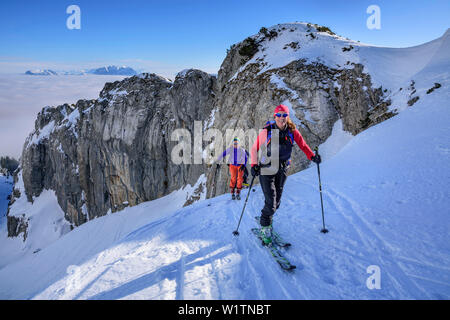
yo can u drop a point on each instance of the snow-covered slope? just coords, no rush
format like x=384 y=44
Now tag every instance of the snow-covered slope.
x=392 y=69
x=388 y=67
x=48 y=224
x=386 y=199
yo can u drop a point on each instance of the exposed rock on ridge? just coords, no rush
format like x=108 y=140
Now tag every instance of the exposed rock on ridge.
x=105 y=154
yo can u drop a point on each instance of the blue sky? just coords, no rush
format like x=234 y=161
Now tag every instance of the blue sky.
x=168 y=36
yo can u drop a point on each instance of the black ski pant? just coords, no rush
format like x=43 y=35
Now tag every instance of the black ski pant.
x=272 y=187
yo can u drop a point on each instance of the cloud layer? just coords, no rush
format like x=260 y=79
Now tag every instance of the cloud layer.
x=22 y=97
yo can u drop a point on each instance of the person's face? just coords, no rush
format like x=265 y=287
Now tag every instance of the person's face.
x=281 y=119
x=235 y=144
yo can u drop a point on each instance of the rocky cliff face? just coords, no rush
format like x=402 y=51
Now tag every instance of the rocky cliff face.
x=113 y=152
x=102 y=155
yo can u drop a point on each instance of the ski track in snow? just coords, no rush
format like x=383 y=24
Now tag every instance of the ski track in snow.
x=205 y=269
x=375 y=243
x=371 y=240
x=171 y=259
x=175 y=258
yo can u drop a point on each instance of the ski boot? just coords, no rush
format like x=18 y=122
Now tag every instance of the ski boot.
x=233 y=196
x=238 y=195
x=266 y=235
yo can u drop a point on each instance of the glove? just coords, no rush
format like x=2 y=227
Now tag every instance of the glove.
x=241 y=168
x=218 y=166
x=256 y=170
x=316 y=158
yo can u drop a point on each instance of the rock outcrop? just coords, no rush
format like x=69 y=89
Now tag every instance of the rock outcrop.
x=103 y=155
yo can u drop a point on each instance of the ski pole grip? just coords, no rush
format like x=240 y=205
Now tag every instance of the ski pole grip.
x=316 y=149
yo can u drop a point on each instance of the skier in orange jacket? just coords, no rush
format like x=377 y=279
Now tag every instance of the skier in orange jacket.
x=237 y=161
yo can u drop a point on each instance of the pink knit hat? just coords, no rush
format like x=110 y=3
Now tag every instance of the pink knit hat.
x=281 y=108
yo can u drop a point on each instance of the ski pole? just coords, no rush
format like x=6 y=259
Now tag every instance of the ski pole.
x=236 y=232
x=324 y=230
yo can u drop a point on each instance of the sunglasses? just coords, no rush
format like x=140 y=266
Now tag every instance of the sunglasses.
x=284 y=115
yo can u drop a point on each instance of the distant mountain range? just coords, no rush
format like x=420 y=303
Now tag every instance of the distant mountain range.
x=113 y=70
x=109 y=70
x=45 y=72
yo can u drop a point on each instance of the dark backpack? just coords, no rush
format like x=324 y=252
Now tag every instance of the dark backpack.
x=271 y=125
x=286 y=139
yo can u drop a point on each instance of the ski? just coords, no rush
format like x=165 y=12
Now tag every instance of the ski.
x=276 y=237
x=276 y=253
